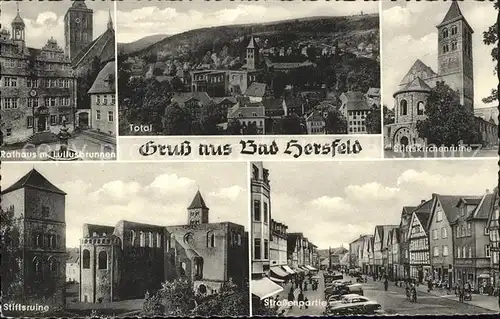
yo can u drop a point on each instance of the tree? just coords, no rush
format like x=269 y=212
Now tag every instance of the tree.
x=234 y=127
x=11 y=272
x=279 y=84
x=490 y=37
x=389 y=117
x=335 y=123
x=177 y=84
x=292 y=124
x=372 y=121
x=176 y=121
x=250 y=129
x=447 y=122
x=228 y=302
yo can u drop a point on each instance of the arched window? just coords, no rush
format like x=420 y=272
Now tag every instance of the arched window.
x=158 y=240
x=58 y=241
x=210 y=239
x=94 y=234
x=132 y=238
x=188 y=238
x=37 y=266
x=103 y=260
x=86 y=259
x=172 y=241
x=454 y=30
x=420 y=108
x=52 y=265
x=150 y=239
x=454 y=45
x=142 y=238
x=403 y=107
x=445 y=33
x=446 y=48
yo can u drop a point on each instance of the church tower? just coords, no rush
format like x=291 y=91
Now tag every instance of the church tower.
x=197 y=211
x=252 y=54
x=18 y=29
x=455 y=63
x=78 y=28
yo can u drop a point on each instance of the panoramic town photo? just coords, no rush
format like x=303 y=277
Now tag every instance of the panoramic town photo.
x=84 y=240
x=57 y=85
x=439 y=83
x=267 y=68
x=388 y=240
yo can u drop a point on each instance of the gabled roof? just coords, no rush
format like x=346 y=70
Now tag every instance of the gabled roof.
x=315 y=116
x=184 y=97
x=256 y=89
x=105 y=80
x=105 y=39
x=77 y=4
x=354 y=101
x=246 y=110
x=484 y=206
x=423 y=218
x=198 y=202
x=493 y=207
x=273 y=104
x=449 y=205
x=33 y=179
x=219 y=100
x=373 y=91
x=420 y=68
x=252 y=44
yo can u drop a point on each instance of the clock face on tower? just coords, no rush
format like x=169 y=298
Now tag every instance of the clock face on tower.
x=78 y=20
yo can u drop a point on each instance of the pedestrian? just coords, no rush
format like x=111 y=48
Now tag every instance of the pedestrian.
x=300 y=299
x=386 y=284
x=306 y=302
x=305 y=285
x=429 y=285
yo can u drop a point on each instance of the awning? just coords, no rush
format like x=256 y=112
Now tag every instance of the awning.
x=311 y=268
x=276 y=279
x=288 y=270
x=484 y=276
x=298 y=269
x=279 y=272
x=265 y=288
x=304 y=268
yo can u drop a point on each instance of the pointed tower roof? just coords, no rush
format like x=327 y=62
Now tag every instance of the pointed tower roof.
x=198 y=201
x=33 y=179
x=417 y=85
x=18 y=19
x=79 y=4
x=110 y=21
x=453 y=13
x=252 y=44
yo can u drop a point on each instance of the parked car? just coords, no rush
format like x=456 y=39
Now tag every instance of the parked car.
x=338 y=291
x=348 y=299
x=359 y=308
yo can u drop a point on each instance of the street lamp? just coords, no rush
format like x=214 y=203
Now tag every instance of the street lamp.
x=495 y=240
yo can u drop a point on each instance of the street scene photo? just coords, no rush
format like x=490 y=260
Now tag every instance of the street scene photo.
x=374 y=238
x=129 y=239
x=439 y=80
x=233 y=68
x=57 y=83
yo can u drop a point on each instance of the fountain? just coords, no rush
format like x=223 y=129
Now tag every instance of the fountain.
x=63 y=153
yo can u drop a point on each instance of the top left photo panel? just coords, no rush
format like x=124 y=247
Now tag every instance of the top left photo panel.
x=57 y=81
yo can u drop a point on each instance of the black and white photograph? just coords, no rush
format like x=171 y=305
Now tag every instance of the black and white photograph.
x=439 y=78
x=407 y=237
x=57 y=84
x=260 y=68
x=124 y=239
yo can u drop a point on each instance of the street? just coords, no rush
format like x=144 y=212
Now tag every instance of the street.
x=316 y=297
x=394 y=301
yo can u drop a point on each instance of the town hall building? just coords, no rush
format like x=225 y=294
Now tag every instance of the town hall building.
x=455 y=68
x=39 y=86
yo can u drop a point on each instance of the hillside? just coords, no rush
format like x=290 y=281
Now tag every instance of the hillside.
x=127 y=48
x=281 y=32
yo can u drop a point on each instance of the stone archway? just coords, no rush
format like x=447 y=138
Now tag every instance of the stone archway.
x=402 y=136
x=404 y=141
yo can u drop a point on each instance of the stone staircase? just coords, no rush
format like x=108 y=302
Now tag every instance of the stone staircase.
x=42 y=138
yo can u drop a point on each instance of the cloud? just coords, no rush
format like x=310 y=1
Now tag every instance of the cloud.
x=170 y=184
x=116 y=191
x=372 y=191
x=231 y=193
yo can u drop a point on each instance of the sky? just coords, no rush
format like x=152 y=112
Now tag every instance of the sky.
x=46 y=19
x=137 y=19
x=334 y=203
x=154 y=193
x=409 y=33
